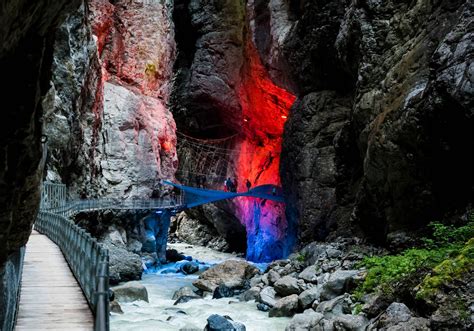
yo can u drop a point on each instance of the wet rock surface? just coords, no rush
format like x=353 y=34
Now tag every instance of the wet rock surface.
x=233 y=274
x=223 y=323
x=130 y=291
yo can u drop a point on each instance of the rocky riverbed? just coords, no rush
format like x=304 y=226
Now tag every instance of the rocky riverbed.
x=311 y=290
x=160 y=313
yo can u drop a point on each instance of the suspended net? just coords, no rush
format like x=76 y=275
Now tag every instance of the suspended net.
x=205 y=162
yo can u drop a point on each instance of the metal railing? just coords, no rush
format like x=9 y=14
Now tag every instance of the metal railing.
x=88 y=260
x=73 y=207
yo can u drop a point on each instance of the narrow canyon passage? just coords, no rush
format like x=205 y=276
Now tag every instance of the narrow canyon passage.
x=319 y=153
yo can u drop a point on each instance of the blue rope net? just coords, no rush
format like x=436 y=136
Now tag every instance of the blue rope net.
x=199 y=196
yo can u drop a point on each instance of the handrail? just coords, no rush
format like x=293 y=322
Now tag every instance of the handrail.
x=76 y=206
x=88 y=260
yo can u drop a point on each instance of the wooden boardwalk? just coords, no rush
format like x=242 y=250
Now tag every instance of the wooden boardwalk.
x=51 y=298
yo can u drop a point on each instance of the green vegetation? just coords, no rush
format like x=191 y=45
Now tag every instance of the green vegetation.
x=441 y=259
x=357 y=309
x=447 y=271
x=302 y=257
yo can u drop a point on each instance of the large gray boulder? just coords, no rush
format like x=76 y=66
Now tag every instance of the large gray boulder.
x=338 y=283
x=183 y=291
x=232 y=273
x=308 y=320
x=337 y=306
x=273 y=277
x=223 y=323
x=351 y=322
x=287 y=285
x=286 y=306
x=310 y=274
x=252 y=293
x=123 y=264
x=268 y=296
x=398 y=317
x=131 y=291
x=308 y=297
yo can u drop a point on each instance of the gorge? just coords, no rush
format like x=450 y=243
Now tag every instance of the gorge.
x=360 y=110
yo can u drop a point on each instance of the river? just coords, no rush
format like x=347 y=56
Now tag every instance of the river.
x=160 y=313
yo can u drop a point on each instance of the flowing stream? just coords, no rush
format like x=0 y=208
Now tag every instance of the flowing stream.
x=160 y=313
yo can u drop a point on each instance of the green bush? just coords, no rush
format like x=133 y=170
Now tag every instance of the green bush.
x=445 y=253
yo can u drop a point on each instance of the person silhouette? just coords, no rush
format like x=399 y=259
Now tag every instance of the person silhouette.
x=248 y=184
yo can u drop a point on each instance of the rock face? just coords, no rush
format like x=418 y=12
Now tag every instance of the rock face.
x=368 y=141
x=211 y=227
x=222 y=90
x=25 y=58
x=233 y=274
x=112 y=134
x=26 y=40
x=123 y=264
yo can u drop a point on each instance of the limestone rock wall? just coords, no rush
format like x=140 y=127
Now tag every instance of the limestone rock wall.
x=112 y=132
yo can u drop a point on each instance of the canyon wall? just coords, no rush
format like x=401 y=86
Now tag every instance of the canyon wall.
x=26 y=36
x=223 y=90
x=380 y=138
x=111 y=132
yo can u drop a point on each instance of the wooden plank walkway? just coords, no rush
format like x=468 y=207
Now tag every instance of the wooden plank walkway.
x=51 y=298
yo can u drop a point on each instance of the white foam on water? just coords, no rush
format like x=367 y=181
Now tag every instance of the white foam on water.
x=161 y=314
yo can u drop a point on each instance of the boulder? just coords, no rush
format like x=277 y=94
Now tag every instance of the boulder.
x=172 y=255
x=374 y=304
x=351 y=322
x=339 y=282
x=130 y=291
x=413 y=324
x=268 y=296
x=256 y=280
x=115 y=307
x=189 y=268
x=286 y=306
x=263 y=307
x=123 y=265
x=232 y=273
x=223 y=323
x=273 y=276
x=308 y=297
x=287 y=285
x=333 y=253
x=310 y=274
x=183 y=291
x=337 y=306
x=394 y=314
x=222 y=291
x=252 y=293
x=308 y=320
